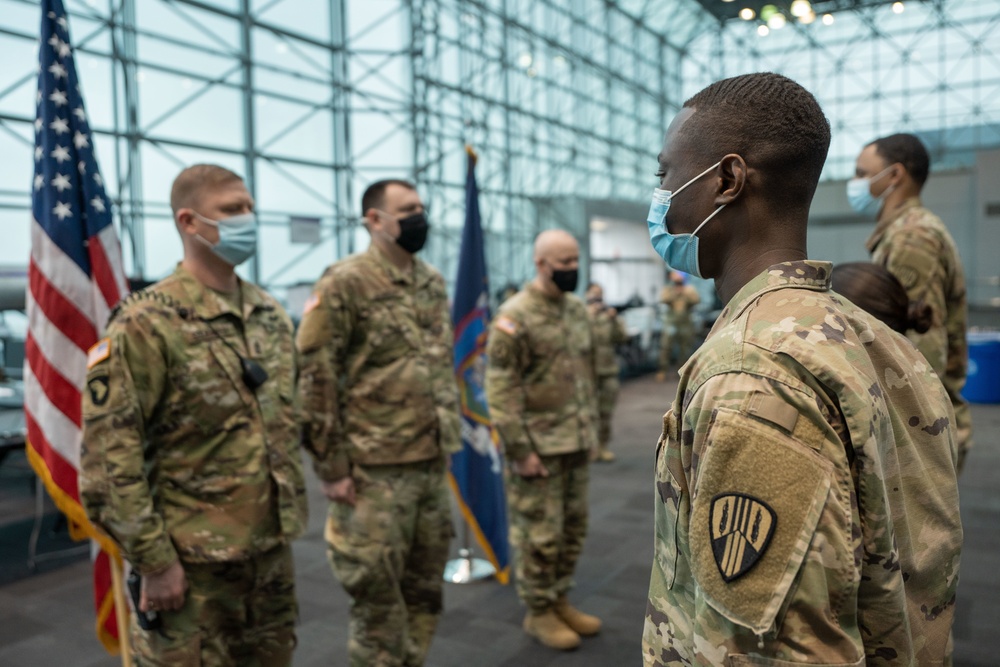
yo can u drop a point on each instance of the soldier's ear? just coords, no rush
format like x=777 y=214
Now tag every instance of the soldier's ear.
x=185 y=221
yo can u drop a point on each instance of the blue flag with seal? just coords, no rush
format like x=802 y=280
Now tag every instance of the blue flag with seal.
x=476 y=472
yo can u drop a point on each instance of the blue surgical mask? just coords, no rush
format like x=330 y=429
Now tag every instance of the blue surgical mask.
x=679 y=251
x=860 y=196
x=237 y=237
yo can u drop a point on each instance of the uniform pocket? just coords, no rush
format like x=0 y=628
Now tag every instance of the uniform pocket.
x=754 y=661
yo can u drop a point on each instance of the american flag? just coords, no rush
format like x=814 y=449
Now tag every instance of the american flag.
x=75 y=277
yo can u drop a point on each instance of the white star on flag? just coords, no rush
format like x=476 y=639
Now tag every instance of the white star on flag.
x=59 y=125
x=80 y=113
x=39 y=181
x=99 y=180
x=62 y=211
x=38 y=124
x=81 y=167
x=60 y=154
x=38 y=153
x=38 y=97
x=54 y=42
x=98 y=204
x=80 y=140
x=59 y=97
x=63 y=23
x=61 y=182
x=64 y=49
x=58 y=71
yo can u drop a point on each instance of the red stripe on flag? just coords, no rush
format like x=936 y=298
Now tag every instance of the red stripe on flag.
x=104 y=276
x=62 y=394
x=60 y=310
x=63 y=473
x=107 y=620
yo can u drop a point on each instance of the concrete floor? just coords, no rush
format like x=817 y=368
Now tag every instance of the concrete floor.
x=47 y=620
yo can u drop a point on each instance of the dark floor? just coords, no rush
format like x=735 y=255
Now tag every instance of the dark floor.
x=47 y=620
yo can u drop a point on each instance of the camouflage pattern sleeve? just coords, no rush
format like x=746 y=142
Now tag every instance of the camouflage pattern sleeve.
x=125 y=380
x=508 y=356
x=618 y=333
x=446 y=391
x=321 y=343
x=915 y=259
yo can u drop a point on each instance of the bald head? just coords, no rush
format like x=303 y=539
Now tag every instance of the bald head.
x=557 y=259
x=555 y=243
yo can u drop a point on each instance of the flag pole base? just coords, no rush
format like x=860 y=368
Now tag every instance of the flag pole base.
x=465 y=569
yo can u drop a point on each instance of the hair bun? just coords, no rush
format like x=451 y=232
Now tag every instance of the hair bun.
x=919 y=316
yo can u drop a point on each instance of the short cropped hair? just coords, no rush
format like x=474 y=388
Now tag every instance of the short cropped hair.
x=374 y=196
x=907 y=150
x=775 y=124
x=190 y=183
x=872 y=288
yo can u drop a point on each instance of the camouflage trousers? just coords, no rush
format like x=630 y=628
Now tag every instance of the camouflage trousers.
x=389 y=553
x=548 y=526
x=607 y=396
x=236 y=614
x=683 y=337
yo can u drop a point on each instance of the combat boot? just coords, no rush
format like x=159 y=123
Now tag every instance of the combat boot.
x=579 y=622
x=548 y=628
x=605 y=456
x=661 y=376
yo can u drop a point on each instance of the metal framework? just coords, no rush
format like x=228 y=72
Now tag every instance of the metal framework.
x=565 y=101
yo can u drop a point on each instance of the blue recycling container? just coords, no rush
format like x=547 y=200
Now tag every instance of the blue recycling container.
x=982 y=384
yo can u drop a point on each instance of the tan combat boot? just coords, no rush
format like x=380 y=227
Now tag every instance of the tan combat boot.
x=661 y=376
x=580 y=623
x=548 y=628
x=605 y=456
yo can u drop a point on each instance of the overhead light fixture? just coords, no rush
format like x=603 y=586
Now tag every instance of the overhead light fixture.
x=763 y=30
x=748 y=14
x=532 y=72
x=898 y=7
x=800 y=8
x=767 y=11
x=776 y=22
x=525 y=60
x=808 y=18
x=827 y=19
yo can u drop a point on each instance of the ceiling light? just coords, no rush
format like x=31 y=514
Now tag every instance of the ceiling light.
x=747 y=14
x=525 y=60
x=808 y=18
x=800 y=8
x=827 y=19
x=762 y=30
x=776 y=22
x=898 y=7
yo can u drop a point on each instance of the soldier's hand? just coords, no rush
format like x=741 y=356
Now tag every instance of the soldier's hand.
x=530 y=466
x=341 y=491
x=164 y=590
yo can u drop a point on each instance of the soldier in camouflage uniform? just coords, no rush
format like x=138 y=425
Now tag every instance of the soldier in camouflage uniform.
x=678 y=298
x=542 y=399
x=916 y=247
x=377 y=386
x=806 y=496
x=190 y=458
x=608 y=332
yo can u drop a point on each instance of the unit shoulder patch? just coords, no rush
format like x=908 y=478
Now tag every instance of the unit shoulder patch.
x=98 y=352
x=99 y=389
x=741 y=527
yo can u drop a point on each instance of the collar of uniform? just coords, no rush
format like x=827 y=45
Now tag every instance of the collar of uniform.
x=881 y=227
x=556 y=301
x=418 y=276
x=208 y=305
x=806 y=274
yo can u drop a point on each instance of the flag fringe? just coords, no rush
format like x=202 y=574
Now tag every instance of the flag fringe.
x=107 y=609
x=502 y=575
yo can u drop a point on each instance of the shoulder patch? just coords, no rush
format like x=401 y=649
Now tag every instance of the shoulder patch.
x=311 y=303
x=506 y=325
x=741 y=527
x=99 y=389
x=100 y=351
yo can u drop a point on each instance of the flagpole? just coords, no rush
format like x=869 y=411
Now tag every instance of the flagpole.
x=121 y=615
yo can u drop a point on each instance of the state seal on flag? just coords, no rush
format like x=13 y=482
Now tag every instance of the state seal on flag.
x=741 y=528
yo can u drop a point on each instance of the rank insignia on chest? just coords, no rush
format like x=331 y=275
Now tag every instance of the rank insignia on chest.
x=741 y=528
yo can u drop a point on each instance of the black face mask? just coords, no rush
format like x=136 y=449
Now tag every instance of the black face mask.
x=565 y=279
x=413 y=232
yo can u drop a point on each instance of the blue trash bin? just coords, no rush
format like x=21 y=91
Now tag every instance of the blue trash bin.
x=982 y=384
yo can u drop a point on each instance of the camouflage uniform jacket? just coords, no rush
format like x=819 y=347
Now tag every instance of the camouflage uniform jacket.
x=807 y=503
x=179 y=457
x=679 y=299
x=608 y=332
x=540 y=378
x=916 y=247
x=375 y=374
